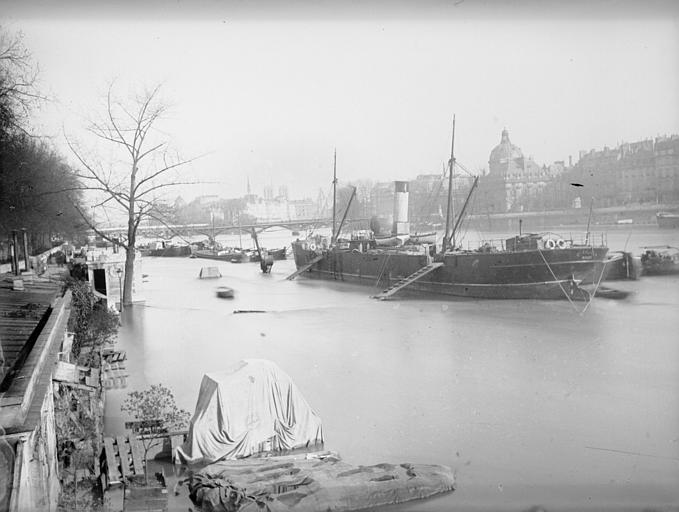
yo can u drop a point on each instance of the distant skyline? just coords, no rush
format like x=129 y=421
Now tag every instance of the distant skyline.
x=268 y=90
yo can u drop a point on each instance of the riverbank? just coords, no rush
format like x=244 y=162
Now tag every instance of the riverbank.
x=80 y=398
x=642 y=216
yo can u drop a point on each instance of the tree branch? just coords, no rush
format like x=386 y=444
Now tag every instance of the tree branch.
x=161 y=171
x=154 y=148
x=113 y=122
x=95 y=176
x=97 y=231
x=165 y=185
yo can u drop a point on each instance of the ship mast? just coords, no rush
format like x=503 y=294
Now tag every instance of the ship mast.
x=464 y=207
x=334 y=194
x=346 y=211
x=212 y=221
x=450 y=208
x=589 y=220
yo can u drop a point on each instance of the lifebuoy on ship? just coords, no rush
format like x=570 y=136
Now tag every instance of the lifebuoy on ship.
x=550 y=244
x=561 y=243
x=312 y=246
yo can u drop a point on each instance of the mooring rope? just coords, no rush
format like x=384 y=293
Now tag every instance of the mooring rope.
x=592 y=295
x=382 y=270
x=558 y=281
x=603 y=270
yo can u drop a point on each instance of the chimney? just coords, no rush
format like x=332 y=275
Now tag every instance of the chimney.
x=401 y=225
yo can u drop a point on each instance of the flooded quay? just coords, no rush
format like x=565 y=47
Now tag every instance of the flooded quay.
x=532 y=403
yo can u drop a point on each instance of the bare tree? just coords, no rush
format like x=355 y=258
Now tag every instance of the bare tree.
x=34 y=178
x=134 y=183
x=18 y=77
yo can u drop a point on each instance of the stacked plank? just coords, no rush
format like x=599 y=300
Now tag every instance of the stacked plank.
x=73 y=375
x=122 y=459
x=123 y=481
x=114 y=356
x=114 y=371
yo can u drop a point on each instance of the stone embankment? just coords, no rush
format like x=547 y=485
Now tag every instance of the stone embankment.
x=80 y=398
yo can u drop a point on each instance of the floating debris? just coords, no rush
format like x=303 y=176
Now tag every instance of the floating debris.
x=209 y=273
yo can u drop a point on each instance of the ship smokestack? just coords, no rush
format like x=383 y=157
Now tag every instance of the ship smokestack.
x=401 y=225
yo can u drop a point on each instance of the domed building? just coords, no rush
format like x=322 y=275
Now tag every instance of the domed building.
x=505 y=158
x=514 y=183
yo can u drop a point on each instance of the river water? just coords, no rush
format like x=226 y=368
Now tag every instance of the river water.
x=531 y=403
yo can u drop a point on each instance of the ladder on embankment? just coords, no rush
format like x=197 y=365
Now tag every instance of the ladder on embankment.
x=408 y=280
x=305 y=267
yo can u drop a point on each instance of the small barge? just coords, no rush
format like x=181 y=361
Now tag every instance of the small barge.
x=660 y=260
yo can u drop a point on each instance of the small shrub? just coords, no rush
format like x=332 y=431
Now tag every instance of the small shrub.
x=92 y=323
x=157 y=413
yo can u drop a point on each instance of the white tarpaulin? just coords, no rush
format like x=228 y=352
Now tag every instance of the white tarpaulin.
x=253 y=407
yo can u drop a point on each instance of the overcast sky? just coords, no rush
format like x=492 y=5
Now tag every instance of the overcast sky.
x=268 y=90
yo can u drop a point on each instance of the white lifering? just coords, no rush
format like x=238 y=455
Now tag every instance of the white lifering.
x=561 y=243
x=550 y=244
x=312 y=246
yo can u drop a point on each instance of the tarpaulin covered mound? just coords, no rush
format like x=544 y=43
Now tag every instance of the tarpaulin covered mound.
x=254 y=407
x=317 y=482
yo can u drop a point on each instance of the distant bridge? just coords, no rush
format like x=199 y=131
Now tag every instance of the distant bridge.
x=208 y=230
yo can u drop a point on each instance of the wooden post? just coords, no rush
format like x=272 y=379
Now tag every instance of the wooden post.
x=15 y=253
x=333 y=237
x=26 y=260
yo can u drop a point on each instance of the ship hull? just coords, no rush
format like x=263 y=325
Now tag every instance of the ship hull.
x=622 y=265
x=168 y=252
x=668 y=220
x=276 y=254
x=211 y=255
x=660 y=261
x=553 y=274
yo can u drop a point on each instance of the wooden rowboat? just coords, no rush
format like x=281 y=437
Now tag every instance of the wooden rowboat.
x=224 y=292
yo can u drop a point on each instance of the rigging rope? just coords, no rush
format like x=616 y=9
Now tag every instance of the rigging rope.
x=467 y=171
x=432 y=196
x=467 y=218
x=558 y=281
x=383 y=268
x=319 y=211
x=466 y=221
x=603 y=269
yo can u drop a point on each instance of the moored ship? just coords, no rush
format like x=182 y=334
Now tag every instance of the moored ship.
x=219 y=254
x=622 y=265
x=531 y=266
x=660 y=260
x=165 y=249
x=527 y=266
x=667 y=220
x=237 y=255
x=276 y=254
